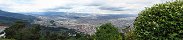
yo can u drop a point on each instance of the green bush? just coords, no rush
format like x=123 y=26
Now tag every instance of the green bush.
x=107 y=32
x=160 y=22
x=129 y=35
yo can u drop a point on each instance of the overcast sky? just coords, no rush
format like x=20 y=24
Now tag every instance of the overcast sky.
x=78 y=6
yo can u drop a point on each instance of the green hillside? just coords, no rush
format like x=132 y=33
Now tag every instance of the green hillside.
x=7 y=20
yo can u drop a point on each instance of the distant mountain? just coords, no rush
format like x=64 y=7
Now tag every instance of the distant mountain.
x=81 y=15
x=61 y=14
x=17 y=15
x=7 y=20
x=115 y=16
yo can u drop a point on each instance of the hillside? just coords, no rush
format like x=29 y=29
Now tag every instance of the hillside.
x=17 y=16
x=7 y=20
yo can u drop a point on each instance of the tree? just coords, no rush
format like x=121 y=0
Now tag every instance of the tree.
x=107 y=32
x=81 y=36
x=35 y=30
x=160 y=22
x=53 y=36
x=11 y=31
x=20 y=31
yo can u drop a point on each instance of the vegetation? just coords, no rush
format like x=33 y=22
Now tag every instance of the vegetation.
x=14 y=29
x=7 y=20
x=107 y=32
x=20 y=31
x=23 y=31
x=160 y=22
x=128 y=33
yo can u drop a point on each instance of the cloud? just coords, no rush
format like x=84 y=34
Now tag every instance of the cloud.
x=94 y=4
x=114 y=8
x=78 y=6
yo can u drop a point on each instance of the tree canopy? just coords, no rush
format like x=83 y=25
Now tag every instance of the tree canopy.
x=160 y=22
x=107 y=32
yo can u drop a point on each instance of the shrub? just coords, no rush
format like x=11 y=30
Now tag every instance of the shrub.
x=107 y=32
x=160 y=22
x=129 y=35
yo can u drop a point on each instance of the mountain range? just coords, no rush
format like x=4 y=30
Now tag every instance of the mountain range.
x=8 y=18
x=17 y=16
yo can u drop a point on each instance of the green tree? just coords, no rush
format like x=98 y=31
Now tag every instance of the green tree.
x=20 y=31
x=53 y=36
x=12 y=30
x=107 y=32
x=81 y=36
x=160 y=22
x=35 y=30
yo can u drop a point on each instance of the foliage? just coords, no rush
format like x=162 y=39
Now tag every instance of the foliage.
x=11 y=31
x=53 y=36
x=107 y=32
x=81 y=36
x=22 y=31
x=128 y=33
x=160 y=22
x=6 y=39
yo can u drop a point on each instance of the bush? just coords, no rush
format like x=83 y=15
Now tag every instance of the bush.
x=160 y=22
x=107 y=32
x=129 y=35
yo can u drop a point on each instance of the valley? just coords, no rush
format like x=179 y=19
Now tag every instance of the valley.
x=86 y=23
x=80 y=22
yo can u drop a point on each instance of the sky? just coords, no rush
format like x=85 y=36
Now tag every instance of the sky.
x=78 y=6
